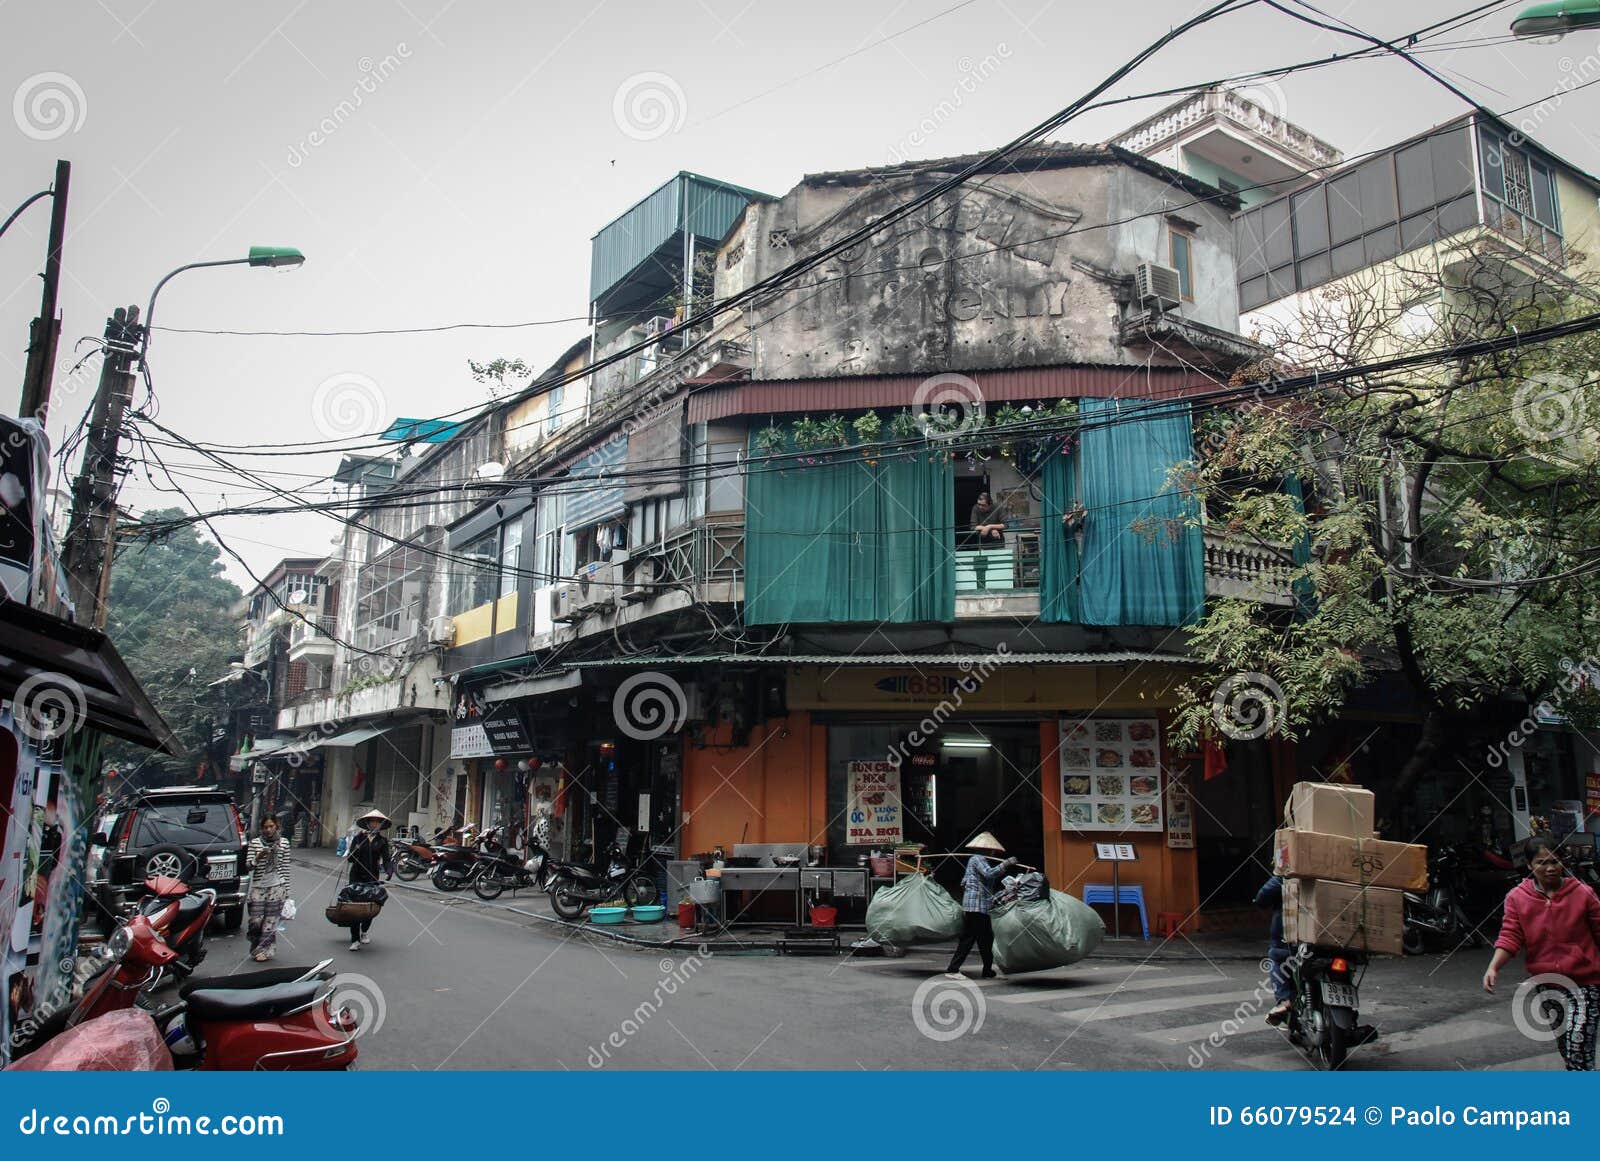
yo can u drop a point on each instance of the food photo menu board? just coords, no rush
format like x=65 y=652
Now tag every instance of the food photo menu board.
x=1110 y=774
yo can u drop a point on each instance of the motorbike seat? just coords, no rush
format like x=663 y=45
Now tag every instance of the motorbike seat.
x=242 y=981
x=252 y=1003
x=584 y=874
x=189 y=909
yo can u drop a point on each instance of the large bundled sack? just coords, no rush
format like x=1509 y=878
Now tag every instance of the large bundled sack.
x=1049 y=933
x=122 y=1041
x=364 y=893
x=914 y=910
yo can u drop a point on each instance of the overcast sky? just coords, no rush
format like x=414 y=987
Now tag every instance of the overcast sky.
x=481 y=145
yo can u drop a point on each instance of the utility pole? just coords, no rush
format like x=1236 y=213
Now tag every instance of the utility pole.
x=91 y=530
x=46 y=329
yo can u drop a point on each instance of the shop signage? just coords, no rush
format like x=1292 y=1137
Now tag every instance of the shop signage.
x=1116 y=852
x=500 y=730
x=873 y=803
x=1110 y=774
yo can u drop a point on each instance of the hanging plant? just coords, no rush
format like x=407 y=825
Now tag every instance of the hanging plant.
x=904 y=425
x=833 y=431
x=770 y=440
x=867 y=426
x=807 y=434
x=1005 y=415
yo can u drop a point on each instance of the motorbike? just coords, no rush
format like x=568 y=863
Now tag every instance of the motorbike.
x=415 y=858
x=180 y=917
x=455 y=867
x=505 y=872
x=279 y=1019
x=1467 y=885
x=574 y=888
x=1324 y=1013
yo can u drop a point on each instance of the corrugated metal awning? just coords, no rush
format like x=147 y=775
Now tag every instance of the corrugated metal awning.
x=855 y=392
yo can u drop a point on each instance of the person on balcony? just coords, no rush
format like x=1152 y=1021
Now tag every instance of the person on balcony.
x=989 y=519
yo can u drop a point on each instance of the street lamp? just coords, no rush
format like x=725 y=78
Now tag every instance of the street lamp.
x=267 y=256
x=1553 y=20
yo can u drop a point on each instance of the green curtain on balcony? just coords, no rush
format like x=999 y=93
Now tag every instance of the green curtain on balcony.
x=850 y=540
x=1142 y=557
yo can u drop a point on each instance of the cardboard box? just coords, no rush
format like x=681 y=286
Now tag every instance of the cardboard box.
x=1330 y=808
x=1304 y=854
x=1340 y=915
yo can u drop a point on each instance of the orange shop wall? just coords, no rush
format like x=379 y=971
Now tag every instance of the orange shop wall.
x=772 y=790
x=1168 y=876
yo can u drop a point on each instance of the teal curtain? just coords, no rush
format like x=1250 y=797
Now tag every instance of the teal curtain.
x=850 y=540
x=1058 y=552
x=1305 y=596
x=1142 y=556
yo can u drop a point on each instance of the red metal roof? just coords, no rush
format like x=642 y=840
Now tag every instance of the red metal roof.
x=847 y=392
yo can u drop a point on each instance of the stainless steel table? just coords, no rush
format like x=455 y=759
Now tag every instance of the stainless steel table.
x=758 y=880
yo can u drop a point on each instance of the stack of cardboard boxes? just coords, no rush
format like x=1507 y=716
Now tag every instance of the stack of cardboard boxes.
x=1342 y=885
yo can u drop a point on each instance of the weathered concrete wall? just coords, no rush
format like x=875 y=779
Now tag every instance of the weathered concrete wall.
x=1009 y=270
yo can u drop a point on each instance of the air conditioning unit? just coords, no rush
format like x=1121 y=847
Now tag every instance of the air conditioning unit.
x=643 y=580
x=599 y=582
x=1156 y=285
x=442 y=631
x=565 y=600
x=659 y=325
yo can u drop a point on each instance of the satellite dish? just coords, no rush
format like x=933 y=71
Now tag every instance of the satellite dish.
x=493 y=470
x=299 y=597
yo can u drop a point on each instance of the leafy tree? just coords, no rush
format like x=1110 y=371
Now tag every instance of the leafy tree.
x=174 y=618
x=1448 y=530
x=495 y=375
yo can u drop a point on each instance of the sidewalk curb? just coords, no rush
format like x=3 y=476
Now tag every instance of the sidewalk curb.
x=1107 y=951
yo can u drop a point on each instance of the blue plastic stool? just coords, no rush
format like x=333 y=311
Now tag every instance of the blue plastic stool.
x=1104 y=893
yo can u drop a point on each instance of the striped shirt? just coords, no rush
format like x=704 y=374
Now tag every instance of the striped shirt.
x=269 y=863
x=978 y=885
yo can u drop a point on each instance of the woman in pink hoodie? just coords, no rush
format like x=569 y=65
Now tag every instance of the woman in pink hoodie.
x=1555 y=922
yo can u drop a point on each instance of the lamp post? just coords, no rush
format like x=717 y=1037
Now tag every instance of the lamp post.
x=1553 y=20
x=91 y=530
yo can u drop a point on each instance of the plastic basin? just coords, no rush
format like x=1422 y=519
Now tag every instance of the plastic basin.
x=653 y=913
x=607 y=914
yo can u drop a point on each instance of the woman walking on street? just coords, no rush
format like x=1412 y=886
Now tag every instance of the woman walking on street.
x=268 y=857
x=370 y=858
x=1555 y=922
x=978 y=886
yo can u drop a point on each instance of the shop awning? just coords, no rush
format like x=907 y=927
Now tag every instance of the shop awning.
x=350 y=737
x=264 y=747
x=37 y=646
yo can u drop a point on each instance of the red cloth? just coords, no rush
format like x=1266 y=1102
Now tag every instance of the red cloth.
x=1216 y=758
x=125 y=1041
x=1557 y=933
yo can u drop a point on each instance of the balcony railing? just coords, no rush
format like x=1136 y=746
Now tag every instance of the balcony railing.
x=1009 y=565
x=1249 y=569
x=322 y=627
x=695 y=557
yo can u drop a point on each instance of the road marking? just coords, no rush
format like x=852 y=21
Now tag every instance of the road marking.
x=1190 y=1033
x=1094 y=1015
x=1139 y=985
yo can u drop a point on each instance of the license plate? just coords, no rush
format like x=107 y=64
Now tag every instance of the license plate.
x=1338 y=995
x=221 y=869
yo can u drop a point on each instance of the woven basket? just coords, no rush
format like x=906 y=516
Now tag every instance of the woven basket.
x=344 y=914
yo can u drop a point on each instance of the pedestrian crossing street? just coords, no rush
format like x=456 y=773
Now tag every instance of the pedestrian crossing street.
x=1196 y=1014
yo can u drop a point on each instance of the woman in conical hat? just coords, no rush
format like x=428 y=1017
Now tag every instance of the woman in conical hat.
x=978 y=886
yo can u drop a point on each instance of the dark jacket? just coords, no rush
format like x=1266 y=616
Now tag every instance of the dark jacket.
x=370 y=857
x=1270 y=897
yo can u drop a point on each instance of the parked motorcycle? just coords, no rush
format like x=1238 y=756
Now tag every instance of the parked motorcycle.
x=456 y=867
x=1467 y=885
x=180 y=917
x=506 y=872
x=574 y=888
x=1324 y=1014
x=278 y=1019
x=415 y=858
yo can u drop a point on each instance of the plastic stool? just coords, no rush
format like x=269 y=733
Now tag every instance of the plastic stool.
x=1169 y=923
x=1105 y=893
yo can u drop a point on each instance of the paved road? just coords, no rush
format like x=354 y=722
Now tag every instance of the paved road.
x=459 y=986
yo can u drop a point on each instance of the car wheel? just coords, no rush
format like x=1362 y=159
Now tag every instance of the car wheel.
x=169 y=861
x=233 y=919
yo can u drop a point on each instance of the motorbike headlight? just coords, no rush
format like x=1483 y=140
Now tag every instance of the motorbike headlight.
x=119 y=943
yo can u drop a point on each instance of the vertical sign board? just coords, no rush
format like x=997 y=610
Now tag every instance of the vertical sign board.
x=1180 y=811
x=1116 y=854
x=873 y=796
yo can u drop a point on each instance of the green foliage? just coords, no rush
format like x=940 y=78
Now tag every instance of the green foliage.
x=172 y=616
x=1450 y=509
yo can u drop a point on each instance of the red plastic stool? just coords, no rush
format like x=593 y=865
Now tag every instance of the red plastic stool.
x=1169 y=923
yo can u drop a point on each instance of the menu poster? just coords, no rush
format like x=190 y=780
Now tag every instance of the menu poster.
x=1110 y=774
x=1180 y=811
x=873 y=795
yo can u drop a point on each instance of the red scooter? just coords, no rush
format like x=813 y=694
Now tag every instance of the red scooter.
x=180 y=917
x=278 y=1020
